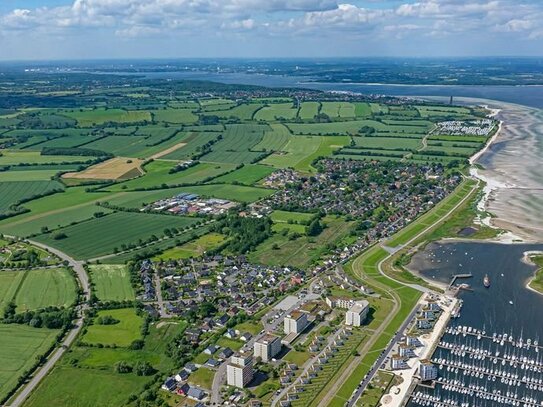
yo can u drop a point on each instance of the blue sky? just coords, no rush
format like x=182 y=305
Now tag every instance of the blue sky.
x=83 y=29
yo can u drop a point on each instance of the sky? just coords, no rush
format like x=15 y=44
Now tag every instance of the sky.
x=117 y=29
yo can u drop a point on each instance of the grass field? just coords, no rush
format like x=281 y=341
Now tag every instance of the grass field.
x=30 y=175
x=121 y=334
x=301 y=252
x=93 y=388
x=19 y=347
x=194 y=248
x=113 y=169
x=354 y=127
x=41 y=288
x=100 y=236
x=111 y=282
x=292 y=217
x=178 y=116
x=13 y=192
x=277 y=111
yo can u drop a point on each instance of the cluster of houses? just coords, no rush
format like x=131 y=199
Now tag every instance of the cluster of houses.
x=466 y=128
x=146 y=275
x=186 y=203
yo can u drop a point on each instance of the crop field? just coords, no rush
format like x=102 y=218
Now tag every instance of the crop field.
x=177 y=116
x=193 y=248
x=127 y=330
x=387 y=143
x=41 y=288
x=352 y=127
x=88 y=118
x=113 y=169
x=193 y=145
x=362 y=109
x=9 y=283
x=111 y=282
x=443 y=111
x=19 y=347
x=100 y=236
x=158 y=174
x=30 y=175
x=338 y=109
x=13 y=157
x=276 y=112
x=308 y=110
x=236 y=144
x=66 y=141
x=275 y=139
x=247 y=175
x=242 y=112
x=300 y=151
x=14 y=191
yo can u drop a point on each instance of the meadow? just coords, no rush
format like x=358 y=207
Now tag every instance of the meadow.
x=123 y=333
x=91 y=117
x=100 y=236
x=9 y=283
x=111 y=282
x=247 y=175
x=194 y=248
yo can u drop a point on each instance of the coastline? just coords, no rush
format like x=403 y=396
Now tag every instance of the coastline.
x=527 y=259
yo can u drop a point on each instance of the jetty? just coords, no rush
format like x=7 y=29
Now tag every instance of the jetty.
x=457 y=276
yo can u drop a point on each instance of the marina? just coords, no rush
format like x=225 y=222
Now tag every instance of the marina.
x=491 y=351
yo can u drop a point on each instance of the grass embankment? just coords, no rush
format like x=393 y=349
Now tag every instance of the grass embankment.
x=537 y=281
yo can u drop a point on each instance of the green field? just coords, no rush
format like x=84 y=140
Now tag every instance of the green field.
x=12 y=193
x=275 y=139
x=100 y=236
x=30 y=175
x=157 y=174
x=19 y=347
x=247 y=175
x=89 y=118
x=41 y=288
x=174 y=116
x=127 y=330
x=111 y=282
x=9 y=283
x=277 y=111
x=308 y=110
x=93 y=388
x=13 y=157
x=300 y=151
x=194 y=248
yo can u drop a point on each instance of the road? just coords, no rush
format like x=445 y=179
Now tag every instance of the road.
x=375 y=368
x=43 y=370
x=381 y=359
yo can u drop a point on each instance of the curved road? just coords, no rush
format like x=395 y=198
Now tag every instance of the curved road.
x=53 y=358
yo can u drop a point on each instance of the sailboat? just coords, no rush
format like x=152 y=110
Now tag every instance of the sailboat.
x=486 y=281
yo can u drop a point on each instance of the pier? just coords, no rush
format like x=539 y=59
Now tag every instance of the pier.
x=457 y=276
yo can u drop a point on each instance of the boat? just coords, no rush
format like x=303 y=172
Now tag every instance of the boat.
x=511 y=302
x=486 y=281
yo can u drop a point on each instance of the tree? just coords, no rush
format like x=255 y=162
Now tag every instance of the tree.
x=122 y=367
x=143 y=369
x=314 y=228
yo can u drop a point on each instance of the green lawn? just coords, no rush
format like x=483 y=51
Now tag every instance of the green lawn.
x=298 y=358
x=203 y=377
x=111 y=282
x=121 y=334
x=46 y=287
x=19 y=347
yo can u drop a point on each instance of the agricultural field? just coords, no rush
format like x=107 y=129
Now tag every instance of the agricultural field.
x=275 y=139
x=157 y=174
x=42 y=288
x=300 y=151
x=122 y=334
x=111 y=282
x=308 y=110
x=338 y=109
x=176 y=116
x=195 y=248
x=101 y=236
x=89 y=118
x=247 y=175
x=13 y=192
x=276 y=112
x=9 y=283
x=19 y=347
x=114 y=169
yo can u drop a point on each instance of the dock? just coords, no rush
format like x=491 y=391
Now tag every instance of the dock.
x=457 y=276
